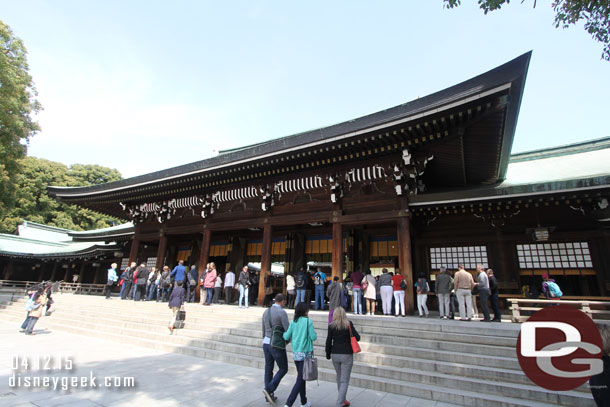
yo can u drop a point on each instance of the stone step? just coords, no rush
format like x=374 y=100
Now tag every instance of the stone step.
x=448 y=381
x=470 y=344
x=434 y=325
x=468 y=365
x=203 y=321
x=237 y=331
x=228 y=334
x=430 y=330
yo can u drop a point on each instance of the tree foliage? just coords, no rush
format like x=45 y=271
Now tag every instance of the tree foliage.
x=17 y=106
x=596 y=16
x=34 y=204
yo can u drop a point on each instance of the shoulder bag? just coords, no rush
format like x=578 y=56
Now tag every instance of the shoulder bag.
x=277 y=334
x=355 y=344
x=310 y=366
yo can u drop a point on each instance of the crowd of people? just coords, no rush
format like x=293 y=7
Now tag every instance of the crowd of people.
x=362 y=293
x=141 y=283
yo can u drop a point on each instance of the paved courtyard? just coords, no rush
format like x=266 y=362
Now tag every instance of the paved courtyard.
x=161 y=379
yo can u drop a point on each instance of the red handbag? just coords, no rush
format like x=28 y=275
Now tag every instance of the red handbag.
x=355 y=344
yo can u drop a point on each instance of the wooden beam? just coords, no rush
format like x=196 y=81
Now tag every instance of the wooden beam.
x=286 y=220
x=337 y=251
x=183 y=230
x=403 y=231
x=265 y=263
x=371 y=217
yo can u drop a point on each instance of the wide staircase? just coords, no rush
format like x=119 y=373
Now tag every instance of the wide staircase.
x=465 y=363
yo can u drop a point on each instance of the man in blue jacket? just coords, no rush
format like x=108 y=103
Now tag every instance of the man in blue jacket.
x=318 y=280
x=178 y=273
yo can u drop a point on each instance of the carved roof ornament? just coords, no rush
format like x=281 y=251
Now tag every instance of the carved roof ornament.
x=407 y=174
x=165 y=211
x=136 y=213
x=336 y=184
x=209 y=204
x=497 y=219
x=268 y=196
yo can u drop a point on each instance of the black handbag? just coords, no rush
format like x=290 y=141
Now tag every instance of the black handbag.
x=277 y=334
x=475 y=290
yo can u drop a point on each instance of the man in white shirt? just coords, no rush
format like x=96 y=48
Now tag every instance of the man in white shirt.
x=112 y=277
x=229 y=286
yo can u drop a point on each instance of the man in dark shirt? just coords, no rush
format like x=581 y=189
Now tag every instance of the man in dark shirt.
x=128 y=280
x=493 y=286
x=275 y=316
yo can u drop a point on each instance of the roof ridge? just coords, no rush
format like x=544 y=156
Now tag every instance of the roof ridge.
x=562 y=150
x=28 y=223
x=17 y=238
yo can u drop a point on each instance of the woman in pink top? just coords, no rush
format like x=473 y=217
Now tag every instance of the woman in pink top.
x=208 y=283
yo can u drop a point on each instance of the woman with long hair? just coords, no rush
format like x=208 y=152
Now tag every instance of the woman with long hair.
x=339 y=348
x=302 y=335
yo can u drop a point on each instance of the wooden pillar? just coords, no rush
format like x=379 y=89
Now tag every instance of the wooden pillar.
x=161 y=249
x=54 y=271
x=81 y=272
x=204 y=255
x=67 y=274
x=403 y=231
x=96 y=276
x=41 y=274
x=8 y=270
x=135 y=245
x=365 y=252
x=265 y=263
x=337 y=251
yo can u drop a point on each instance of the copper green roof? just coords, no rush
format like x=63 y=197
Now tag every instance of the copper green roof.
x=569 y=168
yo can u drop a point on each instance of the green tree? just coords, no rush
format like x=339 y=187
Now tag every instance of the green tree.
x=34 y=204
x=17 y=106
x=596 y=16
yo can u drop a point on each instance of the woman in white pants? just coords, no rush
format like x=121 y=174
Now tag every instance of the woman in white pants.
x=385 y=288
x=422 y=295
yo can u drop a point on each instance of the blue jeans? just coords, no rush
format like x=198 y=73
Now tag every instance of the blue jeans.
x=357 y=303
x=25 y=323
x=152 y=292
x=300 y=297
x=299 y=387
x=210 y=295
x=243 y=293
x=274 y=355
x=122 y=289
x=320 y=296
x=30 y=326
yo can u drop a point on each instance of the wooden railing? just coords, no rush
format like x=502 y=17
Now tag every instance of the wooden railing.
x=22 y=287
x=78 y=288
x=591 y=308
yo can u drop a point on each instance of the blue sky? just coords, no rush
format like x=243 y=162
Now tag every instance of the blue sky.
x=145 y=85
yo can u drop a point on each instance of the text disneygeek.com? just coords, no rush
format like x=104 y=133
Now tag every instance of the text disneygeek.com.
x=29 y=373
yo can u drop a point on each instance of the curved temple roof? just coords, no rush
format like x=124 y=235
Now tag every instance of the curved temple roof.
x=509 y=77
